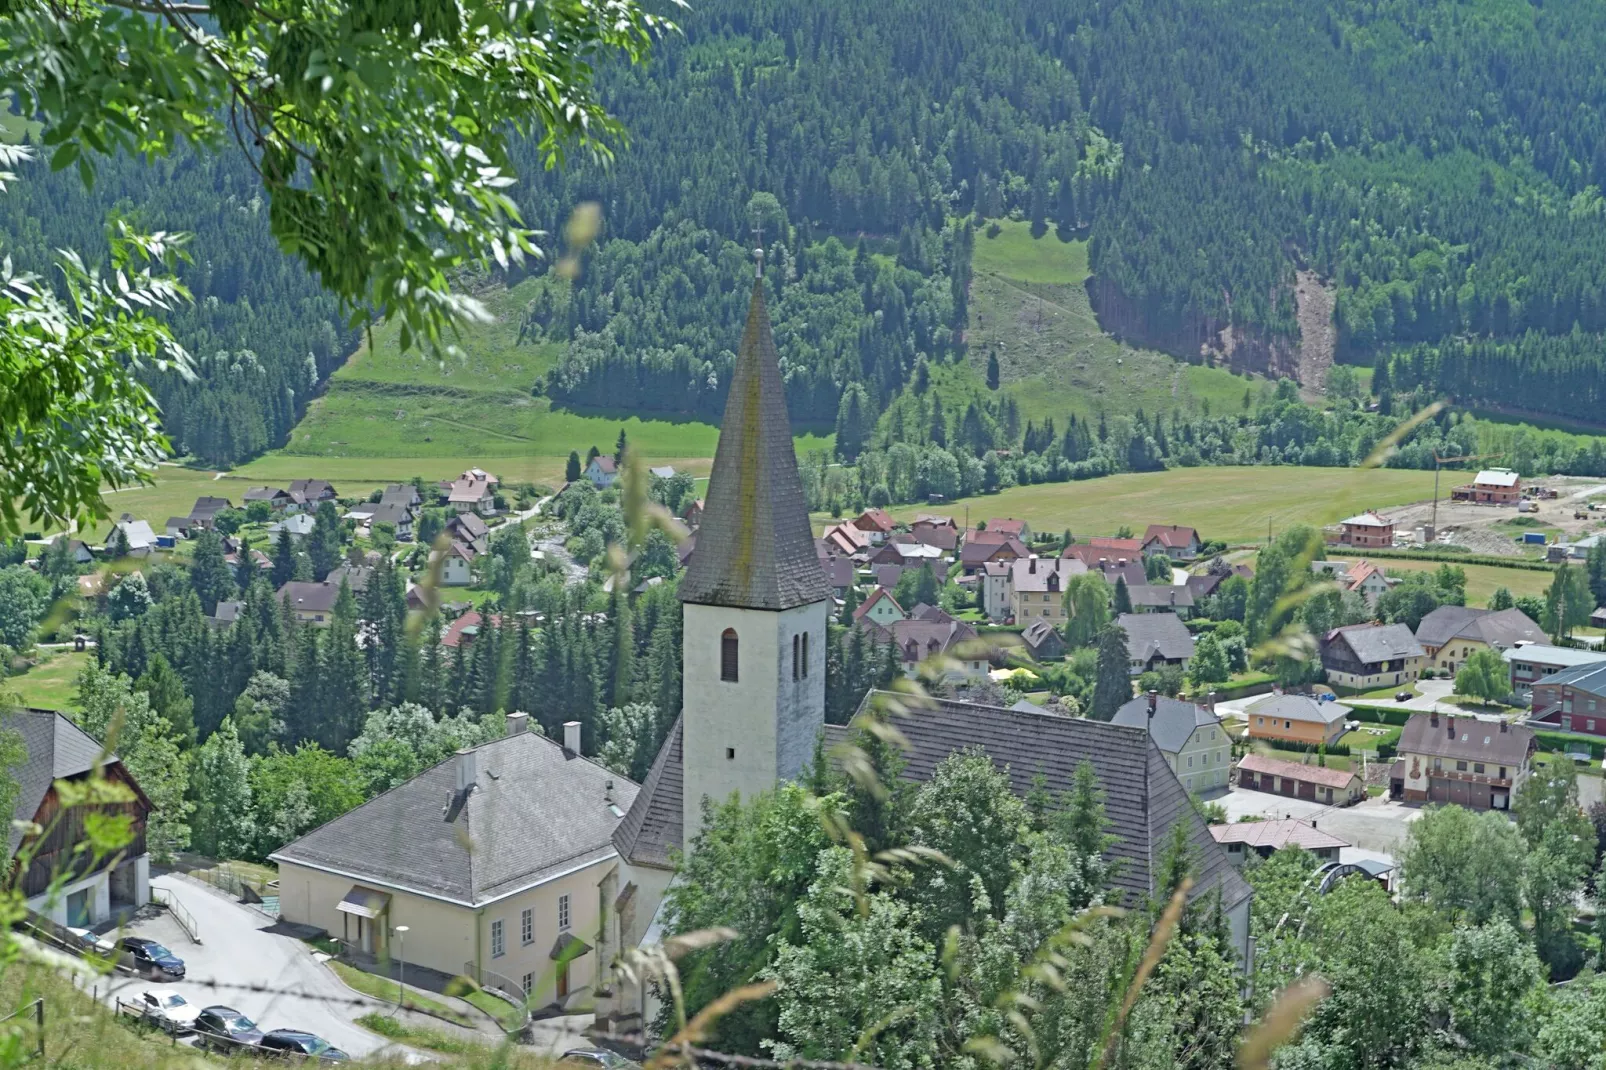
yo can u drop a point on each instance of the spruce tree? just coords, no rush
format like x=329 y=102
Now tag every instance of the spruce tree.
x=572 y=471
x=1122 y=602
x=323 y=544
x=992 y=371
x=210 y=575
x=1112 y=684
x=345 y=687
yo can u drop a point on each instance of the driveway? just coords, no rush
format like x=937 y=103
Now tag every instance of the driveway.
x=1374 y=826
x=271 y=978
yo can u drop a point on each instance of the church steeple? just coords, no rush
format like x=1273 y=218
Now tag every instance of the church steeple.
x=755 y=549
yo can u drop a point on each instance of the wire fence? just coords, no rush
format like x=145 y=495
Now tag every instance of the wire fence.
x=36 y=1011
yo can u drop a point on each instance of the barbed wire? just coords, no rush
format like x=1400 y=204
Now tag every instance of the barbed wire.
x=755 y=1062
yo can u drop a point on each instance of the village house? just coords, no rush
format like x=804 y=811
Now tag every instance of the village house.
x=908 y=555
x=939 y=532
x=1367 y=656
x=1492 y=486
x=1357 y=577
x=1572 y=700
x=311 y=602
x=1037 y=588
x=472 y=496
x=205 y=511
x=693 y=516
x=879 y=608
x=179 y=527
x=457 y=564
x=1177 y=543
x=1161 y=598
x=994 y=578
x=1597 y=619
x=1008 y=527
x=312 y=491
x=876 y=524
x=1264 y=838
x=1043 y=641
x=1297 y=719
x=1450 y=634
x=839 y=573
x=1532 y=662
x=1121 y=568
x=491 y=859
x=137 y=534
x=1462 y=760
x=845 y=540
x=602 y=471
x=277 y=498
x=398 y=516
x=1369 y=529
x=1154 y=640
x=1103 y=548
x=919 y=638
x=1190 y=736
x=465 y=628
x=298 y=526
x=985 y=548
x=93 y=888
x=225 y=614
x=1217 y=572
x=1300 y=780
x=755 y=608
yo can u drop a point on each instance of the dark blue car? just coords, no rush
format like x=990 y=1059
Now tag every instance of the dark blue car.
x=297 y=1042
x=152 y=958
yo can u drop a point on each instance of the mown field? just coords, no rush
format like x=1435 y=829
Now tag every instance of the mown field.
x=50 y=684
x=1482 y=580
x=1232 y=504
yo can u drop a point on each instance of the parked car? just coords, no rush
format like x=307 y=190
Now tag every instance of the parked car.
x=90 y=941
x=608 y=1060
x=285 y=1042
x=169 y=1010
x=225 y=1029
x=152 y=958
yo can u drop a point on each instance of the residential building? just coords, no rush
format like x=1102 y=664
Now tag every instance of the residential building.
x=1103 y=548
x=1043 y=640
x=1161 y=598
x=1155 y=639
x=985 y=548
x=1357 y=577
x=473 y=496
x=1037 y=587
x=138 y=534
x=457 y=564
x=491 y=859
x=880 y=608
x=755 y=608
x=465 y=628
x=205 y=509
x=876 y=524
x=1120 y=568
x=1532 y=662
x=312 y=491
x=1573 y=700
x=839 y=574
x=929 y=636
x=1450 y=634
x=397 y=515
x=1190 y=736
x=845 y=540
x=1597 y=619
x=312 y=603
x=1265 y=837
x=225 y=614
x=664 y=471
x=908 y=554
x=1177 y=543
x=299 y=526
x=354 y=576
x=1217 y=572
x=1300 y=780
x=693 y=516
x=1463 y=760
x=995 y=590
x=278 y=498
x=1369 y=529
x=1492 y=486
x=602 y=471
x=469 y=528
x=1366 y=656
x=179 y=527
x=944 y=535
x=1009 y=526
x=1297 y=719
x=94 y=888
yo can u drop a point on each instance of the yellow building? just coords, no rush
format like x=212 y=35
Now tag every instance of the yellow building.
x=1036 y=588
x=492 y=865
x=1450 y=634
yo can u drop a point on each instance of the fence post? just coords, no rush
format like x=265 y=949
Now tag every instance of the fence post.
x=39 y=1005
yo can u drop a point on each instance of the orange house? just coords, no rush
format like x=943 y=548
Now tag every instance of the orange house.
x=1297 y=719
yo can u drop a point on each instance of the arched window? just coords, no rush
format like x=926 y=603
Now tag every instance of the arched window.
x=805 y=654
x=795 y=644
x=727 y=655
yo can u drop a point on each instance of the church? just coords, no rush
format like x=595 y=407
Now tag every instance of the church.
x=756 y=604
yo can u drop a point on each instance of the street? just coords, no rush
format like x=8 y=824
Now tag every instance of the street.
x=270 y=978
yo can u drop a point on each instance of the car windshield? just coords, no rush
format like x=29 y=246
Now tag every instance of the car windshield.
x=157 y=951
x=239 y=1024
x=317 y=1045
x=173 y=999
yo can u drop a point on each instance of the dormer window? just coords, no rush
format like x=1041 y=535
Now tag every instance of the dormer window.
x=728 y=656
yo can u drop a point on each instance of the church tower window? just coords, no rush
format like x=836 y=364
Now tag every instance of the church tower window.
x=728 y=651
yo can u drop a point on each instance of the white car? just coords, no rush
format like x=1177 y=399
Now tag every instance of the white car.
x=92 y=942
x=170 y=1010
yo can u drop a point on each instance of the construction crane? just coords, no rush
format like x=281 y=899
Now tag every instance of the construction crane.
x=1437 y=463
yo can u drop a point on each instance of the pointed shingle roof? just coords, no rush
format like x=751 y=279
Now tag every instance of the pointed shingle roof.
x=755 y=549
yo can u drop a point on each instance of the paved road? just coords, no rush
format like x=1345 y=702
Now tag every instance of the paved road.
x=236 y=950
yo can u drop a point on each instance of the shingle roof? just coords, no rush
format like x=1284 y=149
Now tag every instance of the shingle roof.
x=1173 y=722
x=535 y=810
x=1299 y=708
x=1171 y=536
x=1148 y=634
x=870 y=601
x=56 y=749
x=1372 y=643
x=1314 y=774
x=309 y=597
x=1276 y=835
x=1368 y=519
x=1502 y=628
x=1161 y=595
x=1143 y=798
x=653 y=827
x=1497 y=477
x=1465 y=738
x=755 y=548
x=1590 y=678
x=1043 y=574
x=1564 y=657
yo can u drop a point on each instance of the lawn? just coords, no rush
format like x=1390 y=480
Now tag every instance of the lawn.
x=1271 y=750
x=50 y=684
x=419 y=1037
x=1482 y=580
x=387 y=991
x=1029 y=307
x=1233 y=504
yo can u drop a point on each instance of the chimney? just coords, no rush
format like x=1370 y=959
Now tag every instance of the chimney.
x=1210 y=702
x=467 y=769
x=1154 y=702
x=1104 y=562
x=1031 y=565
x=607 y=791
x=1503 y=727
x=518 y=723
x=1121 y=561
x=571 y=736
x=1433 y=719
x=1313 y=822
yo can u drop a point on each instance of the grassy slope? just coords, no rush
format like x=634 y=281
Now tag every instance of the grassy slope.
x=1028 y=304
x=386 y=404
x=1222 y=503
x=49 y=685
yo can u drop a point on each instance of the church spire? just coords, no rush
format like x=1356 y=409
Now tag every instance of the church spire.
x=755 y=549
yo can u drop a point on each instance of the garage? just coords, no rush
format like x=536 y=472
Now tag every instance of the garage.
x=1305 y=780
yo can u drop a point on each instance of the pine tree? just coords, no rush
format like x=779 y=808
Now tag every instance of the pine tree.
x=572 y=471
x=939 y=426
x=168 y=698
x=344 y=677
x=304 y=712
x=1123 y=597
x=1112 y=685
x=432 y=670
x=992 y=370
x=210 y=575
x=323 y=544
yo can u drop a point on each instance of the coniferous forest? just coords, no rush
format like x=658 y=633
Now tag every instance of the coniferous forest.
x=1440 y=162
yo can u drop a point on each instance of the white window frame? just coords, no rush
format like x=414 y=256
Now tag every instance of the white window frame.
x=498 y=939
x=527 y=926
x=563 y=913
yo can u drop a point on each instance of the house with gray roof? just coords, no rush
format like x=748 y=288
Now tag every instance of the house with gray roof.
x=1467 y=761
x=1450 y=634
x=1162 y=598
x=1296 y=719
x=1532 y=662
x=92 y=890
x=1190 y=736
x=491 y=859
x=1155 y=639
x=1367 y=656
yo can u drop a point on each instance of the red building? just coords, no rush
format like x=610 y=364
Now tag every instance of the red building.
x=1368 y=529
x=1493 y=486
x=1573 y=700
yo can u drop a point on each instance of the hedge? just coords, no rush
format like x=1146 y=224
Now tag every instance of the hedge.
x=1565 y=741
x=1381 y=714
x=1444 y=557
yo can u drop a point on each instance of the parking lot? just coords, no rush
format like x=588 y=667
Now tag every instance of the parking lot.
x=1374 y=826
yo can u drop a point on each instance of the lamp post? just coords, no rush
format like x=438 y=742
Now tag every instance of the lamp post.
x=401 y=964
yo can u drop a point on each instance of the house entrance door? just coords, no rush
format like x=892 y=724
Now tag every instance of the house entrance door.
x=78 y=908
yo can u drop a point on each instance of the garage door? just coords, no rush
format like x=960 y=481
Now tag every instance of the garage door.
x=1479 y=796
x=1460 y=793
x=1307 y=790
x=1438 y=790
x=1288 y=785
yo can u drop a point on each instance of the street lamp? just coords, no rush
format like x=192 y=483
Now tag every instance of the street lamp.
x=401 y=964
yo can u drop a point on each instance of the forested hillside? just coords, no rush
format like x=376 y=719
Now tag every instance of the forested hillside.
x=1440 y=161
